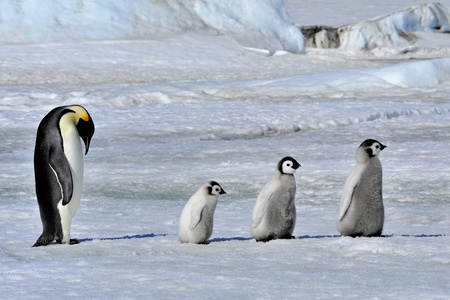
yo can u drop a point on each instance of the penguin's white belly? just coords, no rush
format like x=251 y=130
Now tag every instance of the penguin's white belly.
x=196 y=222
x=183 y=231
x=74 y=155
x=197 y=235
x=260 y=232
x=279 y=215
x=204 y=228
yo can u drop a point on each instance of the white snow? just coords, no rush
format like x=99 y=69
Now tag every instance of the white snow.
x=182 y=99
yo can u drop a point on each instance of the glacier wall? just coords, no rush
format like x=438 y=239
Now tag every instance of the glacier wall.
x=254 y=23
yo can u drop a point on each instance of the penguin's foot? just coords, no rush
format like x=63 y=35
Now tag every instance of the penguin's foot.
x=44 y=240
x=267 y=239
x=271 y=237
x=71 y=242
x=288 y=237
x=74 y=242
x=377 y=234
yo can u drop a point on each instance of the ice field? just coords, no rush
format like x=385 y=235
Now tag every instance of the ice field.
x=183 y=92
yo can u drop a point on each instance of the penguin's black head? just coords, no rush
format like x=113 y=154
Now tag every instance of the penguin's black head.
x=372 y=147
x=215 y=189
x=86 y=130
x=83 y=123
x=288 y=165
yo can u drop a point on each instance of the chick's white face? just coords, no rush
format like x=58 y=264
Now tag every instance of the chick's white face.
x=288 y=167
x=368 y=149
x=375 y=149
x=215 y=189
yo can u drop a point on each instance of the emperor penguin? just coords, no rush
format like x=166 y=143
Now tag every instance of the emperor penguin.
x=361 y=209
x=58 y=169
x=197 y=217
x=274 y=214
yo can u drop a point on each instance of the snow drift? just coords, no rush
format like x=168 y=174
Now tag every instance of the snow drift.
x=32 y=21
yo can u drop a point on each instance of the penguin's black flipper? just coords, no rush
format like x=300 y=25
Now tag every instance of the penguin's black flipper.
x=60 y=165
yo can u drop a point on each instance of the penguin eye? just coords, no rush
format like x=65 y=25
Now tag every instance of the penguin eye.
x=377 y=146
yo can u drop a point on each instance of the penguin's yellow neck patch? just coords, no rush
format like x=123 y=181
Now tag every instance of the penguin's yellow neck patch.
x=84 y=116
x=71 y=119
x=80 y=113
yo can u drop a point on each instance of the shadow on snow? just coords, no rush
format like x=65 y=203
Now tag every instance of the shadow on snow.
x=238 y=238
x=125 y=237
x=325 y=236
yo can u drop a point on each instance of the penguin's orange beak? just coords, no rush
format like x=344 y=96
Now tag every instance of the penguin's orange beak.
x=86 y=142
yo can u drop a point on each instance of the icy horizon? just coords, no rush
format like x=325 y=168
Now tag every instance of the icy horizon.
x=76 y=21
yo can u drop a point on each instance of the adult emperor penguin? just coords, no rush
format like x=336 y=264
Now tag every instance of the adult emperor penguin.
x=58 y=169
x=361 y=211
x=274 y=213
x=197 y=217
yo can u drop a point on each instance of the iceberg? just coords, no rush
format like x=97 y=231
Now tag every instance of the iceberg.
x=255 y=23
x=390 y=31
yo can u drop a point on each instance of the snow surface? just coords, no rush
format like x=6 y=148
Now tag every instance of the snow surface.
x=178 y=108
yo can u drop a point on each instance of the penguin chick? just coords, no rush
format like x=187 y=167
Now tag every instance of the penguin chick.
x=58 y=169
x=197 y=217
x=274 y=214
x=361 y=209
